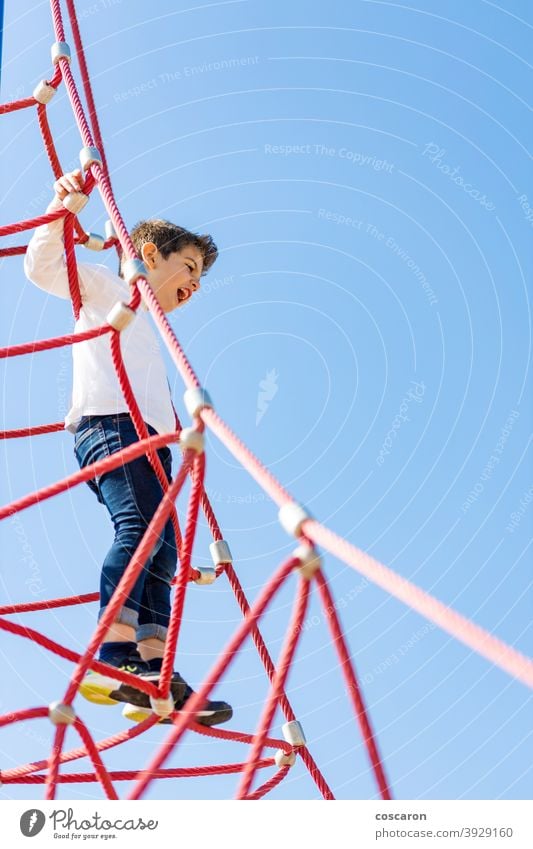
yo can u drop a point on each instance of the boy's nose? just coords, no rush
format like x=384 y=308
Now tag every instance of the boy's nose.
x=195 y=284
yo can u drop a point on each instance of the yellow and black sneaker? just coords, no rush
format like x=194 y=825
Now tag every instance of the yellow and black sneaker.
x=108 y=690
x=213 y=713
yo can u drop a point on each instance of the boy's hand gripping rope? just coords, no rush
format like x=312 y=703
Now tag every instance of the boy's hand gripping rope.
x=296 y=521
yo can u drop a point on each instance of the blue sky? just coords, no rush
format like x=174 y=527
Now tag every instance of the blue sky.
x=364 y=168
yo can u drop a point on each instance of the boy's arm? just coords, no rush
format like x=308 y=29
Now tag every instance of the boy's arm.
x=44 y=261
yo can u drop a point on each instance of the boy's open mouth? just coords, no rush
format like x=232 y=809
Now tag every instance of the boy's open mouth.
x=183 y=295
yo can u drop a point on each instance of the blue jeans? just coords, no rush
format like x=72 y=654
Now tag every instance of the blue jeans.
x=131 y=494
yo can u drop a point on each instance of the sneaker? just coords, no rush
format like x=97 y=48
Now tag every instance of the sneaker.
x=214 y=713
x=103 y=689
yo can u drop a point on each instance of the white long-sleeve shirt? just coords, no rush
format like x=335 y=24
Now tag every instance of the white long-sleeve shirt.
x=96 y=390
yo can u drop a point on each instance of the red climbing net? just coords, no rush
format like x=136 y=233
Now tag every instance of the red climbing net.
x=305 y=560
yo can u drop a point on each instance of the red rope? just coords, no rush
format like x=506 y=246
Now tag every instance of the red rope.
x=37 y=430
x=183 y=576
x=353 y=687
x=49 y=344
x=86 y=81
x=253 y=466
x=67 y=654
x=194 y=465
x=21 y=715
x=286 y=658
x=268 y=785
x=30 y=223
x=87 y=473
x=140 y=426
x=195 y=702
x=476 y=638
x=132 y=775
x=16 y=104
x=49 y=604
x=28 y=101
x=76 y=754
x=49 y=146
x=72 y=269
x=129 y=577
x=15 y=251
x=100 y=771
x=19 y=250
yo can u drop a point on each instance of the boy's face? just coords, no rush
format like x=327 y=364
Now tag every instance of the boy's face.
x=175 y=279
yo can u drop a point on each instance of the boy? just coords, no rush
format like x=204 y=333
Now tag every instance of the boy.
x=175 y=259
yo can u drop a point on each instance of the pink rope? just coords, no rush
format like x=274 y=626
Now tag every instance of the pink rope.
x=194 y=465
x=56 y=342
x=286 y=659
x=37 y=430
x=49 y=604
x=353 y=688
x=195 y=702
x=473 y=636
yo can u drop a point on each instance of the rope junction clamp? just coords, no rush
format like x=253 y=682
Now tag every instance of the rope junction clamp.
x=197 y=399
x=310 y=560
x=292 y=516
x=132 y=269
x=282 y=758
x=220 y=552
x=90 y=156
x=43 y=92
x=75 y=201
x=95 y=242
x=208 y=575
x=109 y=229
x=294 y=733
x=162 y=707
x=61 y=714
x=60 y=50
x=120 y=316
x=191 y=438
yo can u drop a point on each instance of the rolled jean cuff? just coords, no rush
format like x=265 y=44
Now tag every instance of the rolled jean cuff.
x=151 y=630
x=125 y=616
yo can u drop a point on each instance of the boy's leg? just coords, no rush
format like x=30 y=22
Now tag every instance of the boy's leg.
x=154 y=616
x=154 y=608
x=131 y=494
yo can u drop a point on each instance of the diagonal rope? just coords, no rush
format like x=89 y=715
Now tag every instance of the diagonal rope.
x=193 y=466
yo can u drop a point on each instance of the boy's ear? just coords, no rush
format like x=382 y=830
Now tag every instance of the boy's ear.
x=149 y=254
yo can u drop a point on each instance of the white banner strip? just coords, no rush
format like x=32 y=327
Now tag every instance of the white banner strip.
x=233 y=825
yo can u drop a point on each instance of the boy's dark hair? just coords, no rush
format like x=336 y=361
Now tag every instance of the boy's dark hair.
x=169 y=238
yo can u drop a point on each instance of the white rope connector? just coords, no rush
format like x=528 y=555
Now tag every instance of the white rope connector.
x=162 y=707
x=292 y=516
x=61 y=714
x=132 y=269
x=282 y=758
x=95 y=242
x=120 y=316
x=191 y=438
x=294 y=733
x=109 y=229
x=220 y=552
x=90 y=156
x=75 y=201
x=207 y=576
x=197 y=399
x=310 y=560
x=60 y=50
x=44 y=92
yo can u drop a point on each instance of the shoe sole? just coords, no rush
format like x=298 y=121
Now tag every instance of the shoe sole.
x=97 y=689
x=204 y=717
x=105 y=690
